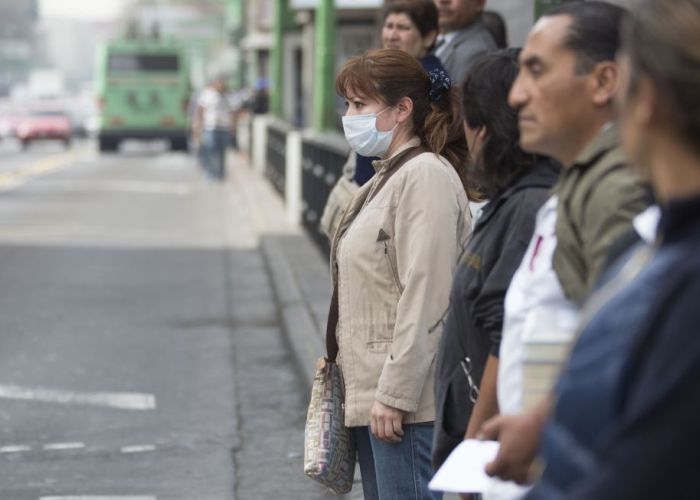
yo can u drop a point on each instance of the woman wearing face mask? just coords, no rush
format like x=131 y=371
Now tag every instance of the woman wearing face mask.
x=516 y=184
x=392 y=259
x=411 y=26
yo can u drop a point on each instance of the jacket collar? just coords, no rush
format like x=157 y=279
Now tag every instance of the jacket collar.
x=465 y=33
x=680 y=218
x=608 y=138
x=358 y=201
x=542 y=175
x=380 y=165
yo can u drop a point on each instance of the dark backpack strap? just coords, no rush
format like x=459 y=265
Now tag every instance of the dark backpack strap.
x=332 y=324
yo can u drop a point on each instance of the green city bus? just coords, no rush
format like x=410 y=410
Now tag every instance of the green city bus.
x=143 y=88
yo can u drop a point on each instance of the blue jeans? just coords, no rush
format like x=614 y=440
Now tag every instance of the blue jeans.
x=398 y=471
x=214 y=144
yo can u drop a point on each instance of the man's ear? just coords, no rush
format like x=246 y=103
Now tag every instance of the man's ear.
x=404 y=109
x=605 y=79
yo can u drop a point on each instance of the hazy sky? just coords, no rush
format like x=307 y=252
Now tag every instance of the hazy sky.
x=81 y=9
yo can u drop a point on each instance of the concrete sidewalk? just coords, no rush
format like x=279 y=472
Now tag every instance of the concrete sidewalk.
x=298 y=270
x=300 y=280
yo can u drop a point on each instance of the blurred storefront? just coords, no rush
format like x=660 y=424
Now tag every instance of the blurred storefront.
x=17 y=41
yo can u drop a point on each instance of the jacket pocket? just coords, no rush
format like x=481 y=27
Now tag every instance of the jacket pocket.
x=380 y=336
x=379 y=346
x=393 y=268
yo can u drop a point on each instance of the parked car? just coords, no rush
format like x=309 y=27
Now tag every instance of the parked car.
x=45 y=125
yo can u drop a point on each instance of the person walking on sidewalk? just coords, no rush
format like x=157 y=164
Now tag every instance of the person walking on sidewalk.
x=392 y=260
x=212 y=126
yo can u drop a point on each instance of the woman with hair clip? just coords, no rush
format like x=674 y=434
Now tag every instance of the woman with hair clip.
x=392 y=259
x=411 y=26
x=516 y=184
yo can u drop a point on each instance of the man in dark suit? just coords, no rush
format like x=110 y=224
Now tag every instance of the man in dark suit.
x=463 y=36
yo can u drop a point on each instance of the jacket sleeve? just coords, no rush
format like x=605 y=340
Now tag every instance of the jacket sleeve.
x=608 y=217
x=428 y=221
x=489 y=305
x=654 y=452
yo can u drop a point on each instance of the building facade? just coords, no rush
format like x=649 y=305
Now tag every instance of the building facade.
x=17 y=41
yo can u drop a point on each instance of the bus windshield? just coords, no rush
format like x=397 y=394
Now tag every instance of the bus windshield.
x=128 y=63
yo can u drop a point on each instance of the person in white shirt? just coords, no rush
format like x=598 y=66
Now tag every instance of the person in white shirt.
x=212 y=126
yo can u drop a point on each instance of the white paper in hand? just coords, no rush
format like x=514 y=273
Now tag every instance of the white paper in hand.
x=463 y=471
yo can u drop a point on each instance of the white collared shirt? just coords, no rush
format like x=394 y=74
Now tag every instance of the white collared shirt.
x=536 y=309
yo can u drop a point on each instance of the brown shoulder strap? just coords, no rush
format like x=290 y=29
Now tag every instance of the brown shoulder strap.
x=332 y=324
x=403 y=157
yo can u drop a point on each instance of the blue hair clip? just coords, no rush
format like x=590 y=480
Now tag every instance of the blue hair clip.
x=439 y=83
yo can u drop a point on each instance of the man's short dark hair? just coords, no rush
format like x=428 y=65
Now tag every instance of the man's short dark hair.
x=594 y=34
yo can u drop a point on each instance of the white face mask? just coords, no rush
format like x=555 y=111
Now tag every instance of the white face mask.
x=364 y=138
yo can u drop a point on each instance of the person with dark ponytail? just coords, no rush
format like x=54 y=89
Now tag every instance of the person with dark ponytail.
x=517 y=184
x=392 y=260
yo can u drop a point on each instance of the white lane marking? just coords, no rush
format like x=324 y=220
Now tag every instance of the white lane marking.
x=64 y=446
x=14 y=449
x=99 y=497
x=119 y=400
x=138 y=448
x=15 y=178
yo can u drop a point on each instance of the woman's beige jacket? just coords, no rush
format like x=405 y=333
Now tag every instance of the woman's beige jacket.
x=392 y=259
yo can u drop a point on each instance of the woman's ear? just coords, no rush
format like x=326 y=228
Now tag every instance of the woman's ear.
x=481 y=135
x=477 y=140
x=404 y=109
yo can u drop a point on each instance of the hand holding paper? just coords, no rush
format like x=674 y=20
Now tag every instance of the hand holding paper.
x=463 y=471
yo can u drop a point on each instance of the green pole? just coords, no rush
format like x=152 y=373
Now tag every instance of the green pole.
x=235 y=26
x=324 y=111
x=280 y=23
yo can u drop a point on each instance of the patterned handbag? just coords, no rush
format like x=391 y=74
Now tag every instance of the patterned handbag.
x=329 y=447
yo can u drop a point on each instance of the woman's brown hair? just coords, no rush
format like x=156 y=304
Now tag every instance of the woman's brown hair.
x=390 y=75
x=662 y=40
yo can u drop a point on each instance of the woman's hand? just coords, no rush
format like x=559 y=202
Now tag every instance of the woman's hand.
x=385 y=422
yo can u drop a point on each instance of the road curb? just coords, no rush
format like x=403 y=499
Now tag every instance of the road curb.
x=303 y=333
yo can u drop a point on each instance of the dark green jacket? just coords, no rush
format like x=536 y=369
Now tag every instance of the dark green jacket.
x=599 y=195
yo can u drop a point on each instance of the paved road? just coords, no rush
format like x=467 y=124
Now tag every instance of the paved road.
x=141 y=355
